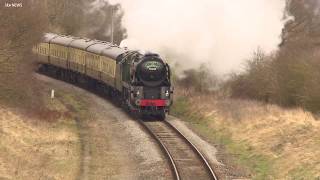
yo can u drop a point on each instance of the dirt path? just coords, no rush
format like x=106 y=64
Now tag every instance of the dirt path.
x=113 y=145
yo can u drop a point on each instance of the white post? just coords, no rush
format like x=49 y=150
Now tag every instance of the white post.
x=52 y=93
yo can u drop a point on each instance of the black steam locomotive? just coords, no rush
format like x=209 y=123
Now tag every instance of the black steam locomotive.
x=141 y=82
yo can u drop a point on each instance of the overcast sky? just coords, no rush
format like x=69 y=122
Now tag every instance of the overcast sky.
x=222 y=33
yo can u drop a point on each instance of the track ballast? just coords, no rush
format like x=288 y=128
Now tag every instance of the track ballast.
x=186 y=160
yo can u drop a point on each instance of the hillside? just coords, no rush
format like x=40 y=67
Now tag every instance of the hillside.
x=42 y=146
x=269 y=141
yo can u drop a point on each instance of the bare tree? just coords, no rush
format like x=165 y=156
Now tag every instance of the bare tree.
x=21 y=28
x=291 y=76
x=85 y=18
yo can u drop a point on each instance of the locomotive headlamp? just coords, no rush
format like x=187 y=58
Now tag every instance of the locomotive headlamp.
x=137 y=91
x=167 y=93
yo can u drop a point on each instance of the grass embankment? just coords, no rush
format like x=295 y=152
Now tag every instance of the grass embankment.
x=269 y=141
x=44 y=144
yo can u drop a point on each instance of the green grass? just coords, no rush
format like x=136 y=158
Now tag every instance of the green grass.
x=244 y=155
x=303 y=172
x=77 y=105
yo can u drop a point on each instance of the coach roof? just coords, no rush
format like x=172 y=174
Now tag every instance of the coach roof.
x=95 y=46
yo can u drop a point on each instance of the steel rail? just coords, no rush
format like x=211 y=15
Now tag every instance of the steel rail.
x=164 y=148
x=196 y=150
x=170 y=157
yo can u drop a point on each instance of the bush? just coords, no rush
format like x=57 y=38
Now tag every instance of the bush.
x=288 y=78
x=200 y=80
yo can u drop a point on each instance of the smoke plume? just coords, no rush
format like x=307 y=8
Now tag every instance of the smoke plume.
x=220 y=33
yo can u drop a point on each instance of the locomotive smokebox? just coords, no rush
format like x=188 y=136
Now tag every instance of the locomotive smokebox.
x=151 y=70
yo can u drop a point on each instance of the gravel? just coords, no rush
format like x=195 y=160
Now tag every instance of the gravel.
x=205 y=148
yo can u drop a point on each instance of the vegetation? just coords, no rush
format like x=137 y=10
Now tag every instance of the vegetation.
x=266 y=141
x=200 y=80
x=91 y=19
x=23 y=27
x=48 y=148
x=245 y=156
x=20 y=29
x=290 y=76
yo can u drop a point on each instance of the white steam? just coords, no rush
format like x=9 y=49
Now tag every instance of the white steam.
x=221 y=33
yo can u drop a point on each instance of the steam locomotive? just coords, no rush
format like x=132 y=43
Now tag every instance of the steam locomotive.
x=140 y=82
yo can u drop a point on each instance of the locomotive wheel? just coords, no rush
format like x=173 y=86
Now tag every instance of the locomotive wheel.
x=162 y=115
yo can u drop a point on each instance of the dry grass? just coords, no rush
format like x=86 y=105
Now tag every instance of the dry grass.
x=271 y=141
x=61 y=139
x=37 y=150
x=290 y=137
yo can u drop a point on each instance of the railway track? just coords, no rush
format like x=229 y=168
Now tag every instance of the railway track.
x=186 y=160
